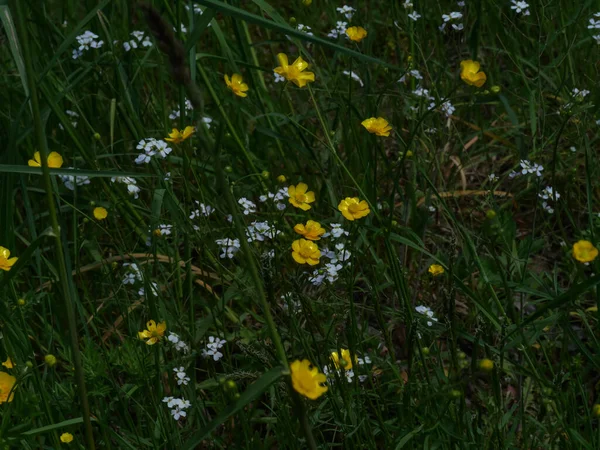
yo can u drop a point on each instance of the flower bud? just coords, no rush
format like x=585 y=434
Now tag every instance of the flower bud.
x=487 y=365
x=21 y=302
x=228 y=169
x=265 y=174
x=490 y=214
x=281 y=179
x=425 y=351
x=307 y=2
x=596 y=410
x=495 y=89
x=97 y=136
x=50 y=360
x=292 y=21
x=455 y=393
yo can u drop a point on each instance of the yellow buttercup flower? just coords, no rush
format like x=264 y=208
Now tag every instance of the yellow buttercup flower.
x=583 y=251
x=307 y=380
x=377 y=125
x=177 y=137
x=154 y=332
x=299 y=197
x=343 y=362
x=356 y=34
x=66 y=438
x=295 y=72
x=352 y=208
x=305 y=252
x=436 y=269
x=312 y=230
x=470 y=74
x=281 y=179
x=100 y=213
x=237 y=85
x=486 y=365
x=6 y=262
x=7 y=383
x=8 y=363
x=55 y=161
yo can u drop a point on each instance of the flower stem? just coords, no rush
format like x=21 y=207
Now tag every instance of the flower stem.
x=17 y=7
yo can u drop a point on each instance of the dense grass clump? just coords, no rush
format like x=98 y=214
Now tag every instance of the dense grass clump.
x=299 y=224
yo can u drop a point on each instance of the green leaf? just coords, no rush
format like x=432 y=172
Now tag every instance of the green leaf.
x=60 y=425
x=199 y=27
x=252 y=393
x=15 y=46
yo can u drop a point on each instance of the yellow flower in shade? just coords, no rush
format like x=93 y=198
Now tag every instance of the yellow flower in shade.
x=377 y=125
x=352 y=208
x=436 y=269
x=7 y=383
x=100 y=213
x=237 y=85
x=470 y=74
x=299 y=197
x=281 y=179
x=596 y=410
x=6 y=262
x=312 y=230
x=307 y=380
x=50 y=360
x=177 y=137
x=8 y=363
x=154 y=332
x=345 y=362
x=305 y=252
x=295 y=72
x=66 y=438
x=356 y=34
x=486 y=365
x=55 y=161
x=583 y=251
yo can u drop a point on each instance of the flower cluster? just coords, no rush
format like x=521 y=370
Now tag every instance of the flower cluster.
x=179 y=344
x=451 y=19
x=261 y=231
x=151 y=147
x=411 y=73
x=595 y=25
x=139 y=39
x=347 y=11
x=527 y=167
x=180 y=376
x=86 y=41
x=343 y=366
x=520 y=7
x=339 y=30
x=71 y=181
x=248 y=206
x=178 y=406
x=278 y=198
x=175 y=114
x=229 y=247
x=548 y=194
x=133 y=275
x=212 y=348
x=202 y=210
x=428 y=313
x=131 y=184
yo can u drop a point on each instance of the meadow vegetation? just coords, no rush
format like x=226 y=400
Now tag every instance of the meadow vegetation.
x=299 y=224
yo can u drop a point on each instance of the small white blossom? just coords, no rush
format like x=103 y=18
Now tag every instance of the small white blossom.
x=71 y=181
x=248 y=206
x=347 y=11
x=229 y=247
x=181 y=376
x=414 y=16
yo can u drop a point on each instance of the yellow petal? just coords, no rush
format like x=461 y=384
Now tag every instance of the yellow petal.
x=283 y=60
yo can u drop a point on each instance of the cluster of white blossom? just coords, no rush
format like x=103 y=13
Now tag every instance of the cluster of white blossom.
x=71 y=181
x=133 y=275
x=202 y=210
x=347 y=11
x=547 y=195
x=261 y=231
x=520 y=7
x=212 y=348
x=178 y=406
x=175 y=114
x=180 y=376
x=411 y=73
x=304 y=29
x=179 y=344
x=152 y=147
x=595 y=25
x=139 y=38
x=289 y=304
x=278 y=198
x=248 y=206
x=527 y=167
x=354 y=76
x=153 y=290
x=339 y=30
x=428 y=313
x=131 y=183
x=86 y=41
x=446 y=107
x=229 y=247
x=337 y=258
x=451 y=19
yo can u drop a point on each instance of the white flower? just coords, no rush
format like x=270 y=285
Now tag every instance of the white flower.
x=305 y=29
x=336 y=231
x=229 y=247
x=178 y=413
x=520 y=7
x=354 y=76
x=363 y=361
x=597 y=38
x=446 y=107
x=347 y=11
x=407 y=4
x=549 y=194
x=580 y=93
x=422 y=92
x=492 y=177
x=260 y=231
x=427 y=312
x=153 y=290
x=278 y=78
x=188 y=107
x=248 y=206
x=594 y=24
x=164 y=229
x=88 y=40
x=414 y=16
x=203 y=210
x=458 y=27
x=339 y=30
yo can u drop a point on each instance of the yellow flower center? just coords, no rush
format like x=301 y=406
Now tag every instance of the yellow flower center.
x=301 y=198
